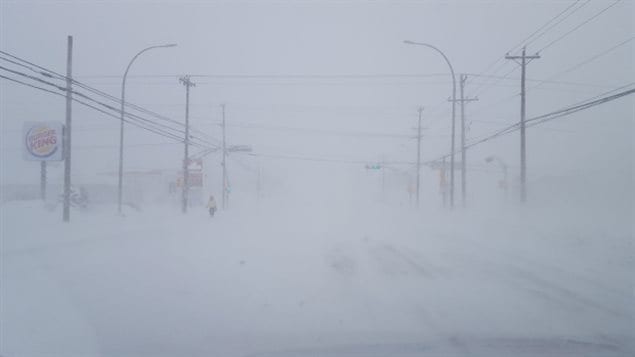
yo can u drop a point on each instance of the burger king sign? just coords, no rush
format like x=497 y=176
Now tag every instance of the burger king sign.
x=43 y=141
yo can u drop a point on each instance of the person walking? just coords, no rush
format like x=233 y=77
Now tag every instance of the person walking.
x=211 y=205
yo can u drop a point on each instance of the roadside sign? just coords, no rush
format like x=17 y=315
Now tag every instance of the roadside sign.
x=43 y=141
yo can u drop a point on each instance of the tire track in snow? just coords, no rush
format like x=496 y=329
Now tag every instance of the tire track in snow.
x=386 y=254
x=507 y=268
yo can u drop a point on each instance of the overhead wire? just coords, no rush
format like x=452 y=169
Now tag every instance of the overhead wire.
x=557 y=23
x=318 y=131
x=578 y=26
x=523 y=41
x=52 y=74
x=584 y=62
x=322 y=159
x=134 y=121
x=585 y=104
x=107 y=106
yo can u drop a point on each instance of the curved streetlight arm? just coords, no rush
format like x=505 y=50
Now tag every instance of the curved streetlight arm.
x=436 y=49
x=125 y=75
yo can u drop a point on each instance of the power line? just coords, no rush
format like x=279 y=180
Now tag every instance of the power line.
x=485 y=87
x=579 y=26
x=318 y=131
x=352 y=76
x=553 y=26
x=321 y=159
x=522 y=42
x=586 y=104
x=577 y=103
x=342 y=76
x=52 y=74
x=154 y=130
x=585 y=62
x=107 y=106
x=568 y=70
x=560 y=21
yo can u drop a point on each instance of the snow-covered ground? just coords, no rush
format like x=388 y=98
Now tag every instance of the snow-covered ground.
x=316 y=280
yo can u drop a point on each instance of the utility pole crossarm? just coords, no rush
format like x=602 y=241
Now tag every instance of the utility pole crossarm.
x=516 y=58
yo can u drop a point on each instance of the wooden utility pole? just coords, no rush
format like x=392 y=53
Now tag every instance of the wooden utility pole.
x=185 y=80
x=463 y=100
x=66 y=215
x=524 y=61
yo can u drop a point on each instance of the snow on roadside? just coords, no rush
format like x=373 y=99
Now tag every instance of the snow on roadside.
x=246 y=281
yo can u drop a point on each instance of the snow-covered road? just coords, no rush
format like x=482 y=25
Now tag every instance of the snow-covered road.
x=389 y=282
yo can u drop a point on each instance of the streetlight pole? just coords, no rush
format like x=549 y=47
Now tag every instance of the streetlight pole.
x=419 y=154
x=122 y=112
x=453 y=113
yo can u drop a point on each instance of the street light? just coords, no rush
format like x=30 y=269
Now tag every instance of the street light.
x=123 y=101
x=453 y=113
x=503 y=165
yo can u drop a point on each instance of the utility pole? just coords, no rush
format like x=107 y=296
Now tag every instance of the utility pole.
x=463 y=100
x=67 y=131
x=224 y=163
x=185 y=80
x=418 y=155
x=524 y=61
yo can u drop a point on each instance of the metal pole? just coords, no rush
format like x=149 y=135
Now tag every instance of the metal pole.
x=463 y=78
x=121 y=125
x=523 y=156
x=186 y=169
x=186 y=172
x=452 y=149
x=224 y=163
x=67 y=131
x=43 y=180
x=418 y=155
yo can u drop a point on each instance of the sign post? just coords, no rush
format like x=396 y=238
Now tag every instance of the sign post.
x=43 y=141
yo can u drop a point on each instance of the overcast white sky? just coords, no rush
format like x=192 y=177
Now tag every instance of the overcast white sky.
x=325 y=38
